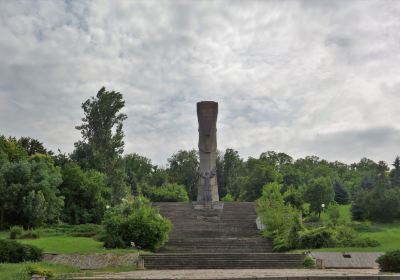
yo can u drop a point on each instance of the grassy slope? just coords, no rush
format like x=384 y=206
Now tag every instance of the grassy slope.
x=65 y=244
x=10 y=271
x=388 y=235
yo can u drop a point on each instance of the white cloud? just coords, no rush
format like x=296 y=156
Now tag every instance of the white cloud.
x=302 y=77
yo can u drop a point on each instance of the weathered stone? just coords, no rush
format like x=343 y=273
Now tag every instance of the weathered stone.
x=207 y=112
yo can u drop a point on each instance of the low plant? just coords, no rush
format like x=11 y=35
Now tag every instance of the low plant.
x=308 y=262
x=135 y=222
x=14 y=252
x=38 y=270
x=15 y=231
x=390 y=261
x=228 y=198
x=30 y=234
x=322 y=237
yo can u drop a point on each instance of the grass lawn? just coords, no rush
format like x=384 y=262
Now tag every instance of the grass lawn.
x=60 y=241
x=388 y=235
x=17 y=271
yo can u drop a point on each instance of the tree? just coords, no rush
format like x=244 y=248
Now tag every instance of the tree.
x=182 y=169
x=341 y=194
x=33 y=146
x=137 y=169
x=101 y=131
x=103 y=143
x=232 y=169
x=258 y=173
x=319 y=193
x=25 y=183
x=86 y=194
x=35 y=208
x=395 y=173
x=12 y=149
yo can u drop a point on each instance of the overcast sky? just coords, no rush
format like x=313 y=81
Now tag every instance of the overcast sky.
x=301 y=77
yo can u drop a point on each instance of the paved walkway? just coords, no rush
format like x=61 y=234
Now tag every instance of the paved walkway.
x=246 y=274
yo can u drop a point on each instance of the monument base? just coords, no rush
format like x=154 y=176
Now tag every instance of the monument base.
x=215 y=205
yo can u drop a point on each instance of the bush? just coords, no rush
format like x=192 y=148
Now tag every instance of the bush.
x=38 y=270
x=135 y=221
x=390 y=261
x=308 y=262
x=167 y=193
x=321 y=237
x=14 y=252
x=228 y=198
x=15 y=231
x=347 y=237
x=30 y=234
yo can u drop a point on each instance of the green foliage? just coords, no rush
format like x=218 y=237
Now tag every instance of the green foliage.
x=334 y=214
x=231 y=167
x=322 y=237
x=16 y=231
x=274 y=214
x=182 y=169
x=33 y=146
x=39 y=270
x=259 y=173
x=294 y=240
x=30 y=191
x=14 y=252
x=138 y=169
x=86 y=194
x=101 y=131
x=167 y=193
x=390 y=261
x=318 y=193
x=135 y=221
x=308 y=262
x=341 y=194
x=30 y=234
x=228 y=198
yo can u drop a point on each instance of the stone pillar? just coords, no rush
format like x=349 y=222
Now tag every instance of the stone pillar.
x=207 y=191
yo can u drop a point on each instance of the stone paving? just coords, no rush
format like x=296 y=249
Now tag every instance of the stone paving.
x=298 y=274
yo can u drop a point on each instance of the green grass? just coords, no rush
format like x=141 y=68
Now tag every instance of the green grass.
x=388 y=235
x=17 y=271
x=59 y=239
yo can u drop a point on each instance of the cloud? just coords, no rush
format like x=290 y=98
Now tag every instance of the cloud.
x=302 y=77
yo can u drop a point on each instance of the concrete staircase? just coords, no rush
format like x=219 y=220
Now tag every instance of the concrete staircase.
x=212 y=238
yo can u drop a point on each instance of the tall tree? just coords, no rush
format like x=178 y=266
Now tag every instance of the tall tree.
x=232 y=169
x=101 y=131
x=395 y=173
x=182 y=169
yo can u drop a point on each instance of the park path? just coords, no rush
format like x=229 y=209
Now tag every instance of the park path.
x=242 y=274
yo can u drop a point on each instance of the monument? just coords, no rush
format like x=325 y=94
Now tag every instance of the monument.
x=207 y=191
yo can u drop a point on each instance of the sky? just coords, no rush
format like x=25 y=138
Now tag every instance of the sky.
x=301 y=77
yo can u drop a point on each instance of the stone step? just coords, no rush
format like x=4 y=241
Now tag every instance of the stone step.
x=218 y=260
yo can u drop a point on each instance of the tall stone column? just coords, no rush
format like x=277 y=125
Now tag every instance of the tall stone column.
x=207 y=112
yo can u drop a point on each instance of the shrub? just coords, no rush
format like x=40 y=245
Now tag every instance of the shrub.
x=228 y=198
x=38 y=270
x=14 y=252
x=347 y=237
x=294 y=233
x=390 y=261
x=135 y=221
x=321 y=237
x=15 y=231
x=167 y=193
x=308 y=262
x=30 y=234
